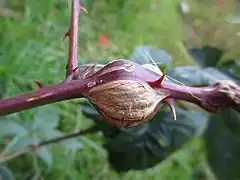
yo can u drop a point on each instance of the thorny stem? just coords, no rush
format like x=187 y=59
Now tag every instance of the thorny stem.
x=45 y=95
x=212 y=98
x=12 y=154
x=73 y=39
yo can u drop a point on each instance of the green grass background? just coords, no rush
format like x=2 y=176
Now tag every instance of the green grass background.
x=31 y=47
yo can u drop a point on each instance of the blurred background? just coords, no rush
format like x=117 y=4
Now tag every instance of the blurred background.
x=31 y=48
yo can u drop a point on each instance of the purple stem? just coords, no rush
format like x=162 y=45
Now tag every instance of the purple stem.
x=45 y=95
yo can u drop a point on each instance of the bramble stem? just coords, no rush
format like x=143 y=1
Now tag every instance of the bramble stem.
x=72 y=62
x=45 y=95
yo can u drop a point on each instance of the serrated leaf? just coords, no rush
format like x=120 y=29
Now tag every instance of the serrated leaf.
x=44 y=124
x=24 y=141
x=144 y=54
x=148 y=144
x=223 y=146
x=45 y=154
x=207 y=55
x=70 y=144
x=46 y=117
x=194 y=75
x=11 y=128
x=14 y=141
x=6 y=173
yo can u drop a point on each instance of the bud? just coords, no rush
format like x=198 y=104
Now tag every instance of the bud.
x=126 y=103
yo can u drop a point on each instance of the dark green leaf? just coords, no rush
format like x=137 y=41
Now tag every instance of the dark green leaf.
x=144 y=54
x=231 y=68
x=223 y=146
x=207 y=55
x=6 y=173
x=194 y=75
x=232 y=121
x=148 y=144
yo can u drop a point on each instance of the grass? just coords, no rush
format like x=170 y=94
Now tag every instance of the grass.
x=31 y=48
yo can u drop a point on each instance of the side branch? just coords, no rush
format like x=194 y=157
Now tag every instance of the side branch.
x=73 y=38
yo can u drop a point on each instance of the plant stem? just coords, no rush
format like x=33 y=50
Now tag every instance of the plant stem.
x=10 y=155
x=45 y=95
x=72 y=62
x=213 y=98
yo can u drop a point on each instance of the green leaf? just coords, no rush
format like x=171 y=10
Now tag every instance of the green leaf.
x=90 y=112
x=45 y=123
x=147 y=54
x=207 y=55
x=148 y=144
x=223 y=145
x=6 y=173
x=46 y=117
x=22 y=141
x=69 y=144
x=231 y=68
x=10 y=128
x=194 y=75
x=45 y=154
x=232 y=121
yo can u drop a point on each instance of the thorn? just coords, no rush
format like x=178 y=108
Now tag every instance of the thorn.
x=66 y=35
x=158 y=83
x=83 y=9
x=40 y=85
x=76 y=68
x=88 y=71
x=71 y=76
x=170 y=102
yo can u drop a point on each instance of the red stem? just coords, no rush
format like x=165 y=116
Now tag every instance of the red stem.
x=191 y=94
x=210 y=98
x=73 y=38
x=45 y=95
